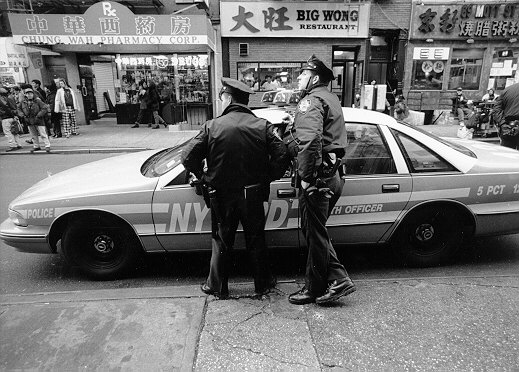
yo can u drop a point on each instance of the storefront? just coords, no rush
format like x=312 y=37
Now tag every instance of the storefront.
x=265 y=43
x=473 y=45
x=105 y=53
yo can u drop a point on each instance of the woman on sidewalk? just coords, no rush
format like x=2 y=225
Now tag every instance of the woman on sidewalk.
x=55 y=117
x=143 y=108
x=153 y=104
x=66 y=104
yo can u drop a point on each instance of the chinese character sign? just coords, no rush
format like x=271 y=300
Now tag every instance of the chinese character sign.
x=489 y=21
x=294 y=19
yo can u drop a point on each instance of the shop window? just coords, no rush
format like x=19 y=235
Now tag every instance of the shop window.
x=504 y=71
x=269 y=76
x=179 y=78
x=428 y=74
x=466 y=69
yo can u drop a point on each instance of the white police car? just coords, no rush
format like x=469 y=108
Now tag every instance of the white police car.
x=421 y=193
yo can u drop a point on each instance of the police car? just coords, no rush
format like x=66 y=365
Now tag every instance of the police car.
x=423 y=194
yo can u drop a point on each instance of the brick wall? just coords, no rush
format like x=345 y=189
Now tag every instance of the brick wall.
x=390 y=14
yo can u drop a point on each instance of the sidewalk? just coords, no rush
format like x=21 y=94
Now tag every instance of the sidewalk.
x=105 y=135
x=449 y=324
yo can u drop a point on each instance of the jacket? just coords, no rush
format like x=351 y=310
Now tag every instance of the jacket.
x=143 y=98
x=7 y=108
x=506 y=107
x=240 y=148
x=153 y=99
x=51 y=98
x=33 y=111
x=319 y=129
x=59 y=102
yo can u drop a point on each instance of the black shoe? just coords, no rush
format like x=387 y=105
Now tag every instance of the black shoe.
x=35 y=149
x=336 y=290
x=47 y=149
x=135 y=125
x=301 y=297
x=29 y=141
x=156 y=126
x=207 y=290
x=59 y=136
x=12 y=149
x=266 y=290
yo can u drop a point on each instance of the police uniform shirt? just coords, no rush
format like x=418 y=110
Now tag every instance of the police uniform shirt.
x=319 y=125
x=241 y=149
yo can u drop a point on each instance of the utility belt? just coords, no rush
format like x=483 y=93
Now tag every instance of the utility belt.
x=331 y=164
x=255 y=192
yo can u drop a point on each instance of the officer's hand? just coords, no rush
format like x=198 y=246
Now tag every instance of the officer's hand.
x=287 y=120
x=304 y=185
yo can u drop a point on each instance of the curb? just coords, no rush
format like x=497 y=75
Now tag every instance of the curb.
x=79 y=151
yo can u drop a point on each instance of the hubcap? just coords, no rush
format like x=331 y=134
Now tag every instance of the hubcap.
x=424 y=232
x=103 y=244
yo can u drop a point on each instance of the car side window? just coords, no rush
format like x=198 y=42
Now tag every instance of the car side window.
x=367 y=152
x=419 y=158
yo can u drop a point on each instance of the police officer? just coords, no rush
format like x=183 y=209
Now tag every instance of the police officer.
x=506 y=115
x=321 y=137
x=243 y=156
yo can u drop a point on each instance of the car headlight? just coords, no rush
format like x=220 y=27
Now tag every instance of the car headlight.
x=17 y=218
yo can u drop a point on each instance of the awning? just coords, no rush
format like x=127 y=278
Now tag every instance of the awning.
x=112 y=24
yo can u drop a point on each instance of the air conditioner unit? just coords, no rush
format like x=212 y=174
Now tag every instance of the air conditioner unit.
x=244 y=49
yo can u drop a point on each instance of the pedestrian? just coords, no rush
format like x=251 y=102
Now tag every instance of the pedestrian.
x=321 y=141
x=490 y=96
x=33 y=109
x=243 y=156
x=401 y=109
x=9 y=116
x=460 y=103
x=55 y=117
x=506 y=116
x=38 y=91
x=66 y=104
x=143 y=105
x=154 y=105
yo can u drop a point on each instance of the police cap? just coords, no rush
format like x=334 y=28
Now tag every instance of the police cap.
x=235 y=87
x=318 y=66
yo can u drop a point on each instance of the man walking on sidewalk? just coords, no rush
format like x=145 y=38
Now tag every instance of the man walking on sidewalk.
x=34 y=110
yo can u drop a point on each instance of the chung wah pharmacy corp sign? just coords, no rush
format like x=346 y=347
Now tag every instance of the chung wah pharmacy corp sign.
x=108 y=22
x=294 y=19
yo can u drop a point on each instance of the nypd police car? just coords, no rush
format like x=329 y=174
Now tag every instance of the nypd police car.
x=423 y=194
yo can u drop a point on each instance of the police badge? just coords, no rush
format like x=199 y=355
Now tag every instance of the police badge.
x=304 y=105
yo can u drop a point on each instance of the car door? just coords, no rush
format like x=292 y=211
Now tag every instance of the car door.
x=377 y=186
x=183 y=220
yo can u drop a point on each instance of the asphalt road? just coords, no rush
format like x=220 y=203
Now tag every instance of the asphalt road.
x=29 y=273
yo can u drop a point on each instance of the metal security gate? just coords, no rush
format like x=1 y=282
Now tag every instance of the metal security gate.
x=103 y=73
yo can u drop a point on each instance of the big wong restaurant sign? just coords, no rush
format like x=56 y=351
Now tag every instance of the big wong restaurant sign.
x=294 y=19
x=108 y=22
x=490 y=20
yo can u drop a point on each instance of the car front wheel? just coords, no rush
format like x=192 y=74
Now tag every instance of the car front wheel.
x=102 y=248
x=429 y=236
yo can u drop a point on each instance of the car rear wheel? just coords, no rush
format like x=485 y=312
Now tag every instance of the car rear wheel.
x=101 y=247
x=429 y=236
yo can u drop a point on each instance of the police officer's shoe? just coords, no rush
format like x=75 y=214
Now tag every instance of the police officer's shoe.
x=209 y=291
x=336 y=290
x=266 y=290
x=301 y=297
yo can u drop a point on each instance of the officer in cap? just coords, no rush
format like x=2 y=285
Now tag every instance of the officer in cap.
x=243 y=155
x=321 y=141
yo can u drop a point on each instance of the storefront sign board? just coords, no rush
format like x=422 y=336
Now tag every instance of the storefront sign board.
x=431 y=53
x=478 y=20
x=294 y=19
x=12 y=55
x=108 y=22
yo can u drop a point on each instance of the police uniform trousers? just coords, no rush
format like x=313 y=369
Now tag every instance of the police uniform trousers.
x=322 y=265
x=229 y=208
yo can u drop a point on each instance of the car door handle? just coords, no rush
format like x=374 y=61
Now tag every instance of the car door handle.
x=391 y=188
x=287 y=193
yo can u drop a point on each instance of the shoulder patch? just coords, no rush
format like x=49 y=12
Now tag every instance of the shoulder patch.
x=304 y=105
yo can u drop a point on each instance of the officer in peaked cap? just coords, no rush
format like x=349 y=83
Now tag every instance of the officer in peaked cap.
x=321 y=137
x=243 y=156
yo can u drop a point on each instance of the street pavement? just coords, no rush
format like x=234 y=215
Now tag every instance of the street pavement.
x=443 y=323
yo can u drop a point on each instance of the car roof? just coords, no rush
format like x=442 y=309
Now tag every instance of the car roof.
x=356 y=115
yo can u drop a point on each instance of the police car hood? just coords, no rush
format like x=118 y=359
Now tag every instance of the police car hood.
x=115 y=175
x=491 y=158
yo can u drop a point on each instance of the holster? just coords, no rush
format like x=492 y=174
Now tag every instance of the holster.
x=328 y=169
x=202 y=189
x=295 y=180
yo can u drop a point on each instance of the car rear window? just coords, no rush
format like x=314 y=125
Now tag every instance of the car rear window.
x=452 y=145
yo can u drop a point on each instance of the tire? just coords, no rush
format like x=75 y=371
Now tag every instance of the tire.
x=102 y=248
x=430 y=236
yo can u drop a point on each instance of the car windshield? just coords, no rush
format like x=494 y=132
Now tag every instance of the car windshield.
x=453 y=145
x=162 y=162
